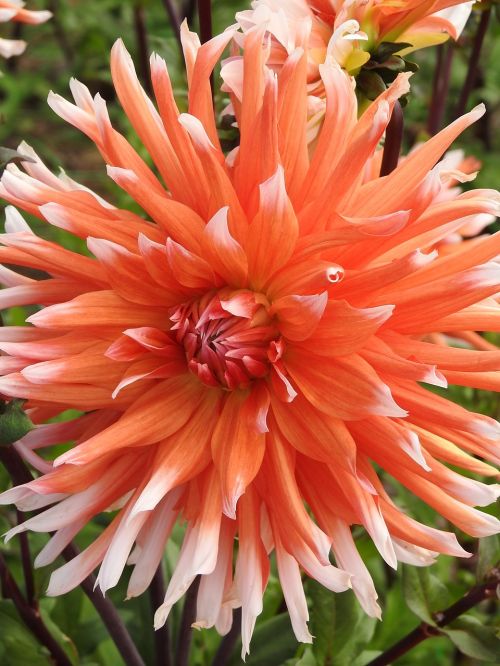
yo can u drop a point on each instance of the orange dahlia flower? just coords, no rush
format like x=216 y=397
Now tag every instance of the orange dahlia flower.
x=13 y=10
x=244 y=355
x=349 y=32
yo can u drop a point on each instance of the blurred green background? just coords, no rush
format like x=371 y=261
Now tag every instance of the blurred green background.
x=77 y=43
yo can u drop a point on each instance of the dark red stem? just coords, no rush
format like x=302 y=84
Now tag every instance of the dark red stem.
x=108 y=614
x=12 y=63
x=393 y=141
x=205 y=16
x=470 y=79
x=142 y=44
x=185 y=629
x=440 y=88
x=29 y=580
x=162 y=635
x=226 y=646
x=188 y=10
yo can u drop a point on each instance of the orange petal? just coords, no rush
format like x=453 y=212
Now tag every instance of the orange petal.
x=224 y=253
x=346 y=388
x=161 y=411
x=299 y=316
x=273 y=232
x=238 y=445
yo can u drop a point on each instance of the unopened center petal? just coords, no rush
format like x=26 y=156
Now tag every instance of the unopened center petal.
x=226 y=336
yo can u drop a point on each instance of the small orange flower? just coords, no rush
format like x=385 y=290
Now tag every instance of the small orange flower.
x=348 y=31
x=253 y=346
x=13 y=10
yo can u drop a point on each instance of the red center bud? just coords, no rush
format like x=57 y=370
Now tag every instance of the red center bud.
x=226 y=336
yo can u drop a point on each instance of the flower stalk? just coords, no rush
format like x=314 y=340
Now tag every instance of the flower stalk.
x=109 y=615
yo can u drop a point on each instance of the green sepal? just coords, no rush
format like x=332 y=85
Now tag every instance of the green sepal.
x=14 y=424
x=387 y=49
x=370 y=84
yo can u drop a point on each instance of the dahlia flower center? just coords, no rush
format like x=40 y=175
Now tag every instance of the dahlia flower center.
x=227 y=337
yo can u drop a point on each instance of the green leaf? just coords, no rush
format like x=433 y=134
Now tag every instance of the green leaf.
x=273 y=643
x=411 y=66
x=8 y=156
x=488 y=556
x=366 y=657
x=14 y=423
x=341 y=628
x=107 y=653
x=424 y=593
x=474 y=638
x=67 y=610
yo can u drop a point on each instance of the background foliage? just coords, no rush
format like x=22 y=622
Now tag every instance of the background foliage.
x=77 y=43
